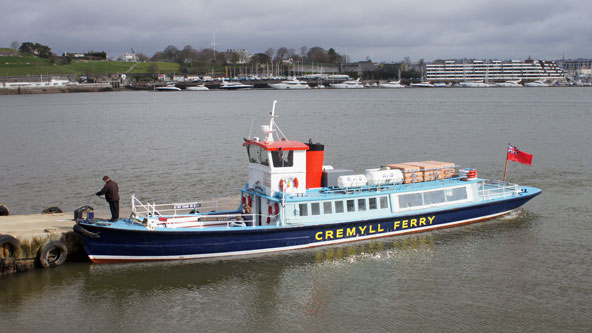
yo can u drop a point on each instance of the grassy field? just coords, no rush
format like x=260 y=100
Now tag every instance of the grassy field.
x=31 y=65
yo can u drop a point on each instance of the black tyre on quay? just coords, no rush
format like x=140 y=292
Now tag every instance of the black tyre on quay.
x=52 y=254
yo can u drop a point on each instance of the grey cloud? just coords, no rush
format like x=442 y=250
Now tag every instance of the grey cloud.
x=382 y=30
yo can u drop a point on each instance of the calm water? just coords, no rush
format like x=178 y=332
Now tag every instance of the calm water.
x=527 y=271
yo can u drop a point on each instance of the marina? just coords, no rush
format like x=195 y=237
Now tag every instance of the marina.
x=527 y=268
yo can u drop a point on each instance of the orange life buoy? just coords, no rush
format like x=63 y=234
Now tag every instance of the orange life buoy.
x=295 y=182
x=276 y=208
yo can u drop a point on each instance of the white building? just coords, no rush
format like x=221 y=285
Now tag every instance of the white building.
x=129 y=57
x=493 y=71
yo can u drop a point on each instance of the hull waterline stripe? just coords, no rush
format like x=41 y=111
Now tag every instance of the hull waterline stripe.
x=116 y=258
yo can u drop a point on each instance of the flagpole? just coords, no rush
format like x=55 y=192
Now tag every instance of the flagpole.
x=506 y=168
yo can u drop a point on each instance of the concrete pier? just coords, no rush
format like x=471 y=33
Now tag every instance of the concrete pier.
x=35 y=231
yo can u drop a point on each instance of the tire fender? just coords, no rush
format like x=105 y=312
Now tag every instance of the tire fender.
x=52 y=254
x=10 y=247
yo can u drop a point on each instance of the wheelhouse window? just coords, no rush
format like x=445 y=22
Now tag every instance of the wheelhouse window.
x=282 y=159
x=257 y=155
x=253 y=152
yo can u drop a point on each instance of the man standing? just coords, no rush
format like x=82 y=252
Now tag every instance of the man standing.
x=111 y=192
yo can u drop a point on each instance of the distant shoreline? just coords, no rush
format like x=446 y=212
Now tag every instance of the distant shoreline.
x=57 y=90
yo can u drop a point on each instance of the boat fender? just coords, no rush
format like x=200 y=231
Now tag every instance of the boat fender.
x=10 y=247
x=79 y=229
x=52 y=254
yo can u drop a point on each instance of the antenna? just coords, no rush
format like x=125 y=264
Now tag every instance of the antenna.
x=251 y=129
x=213 y=43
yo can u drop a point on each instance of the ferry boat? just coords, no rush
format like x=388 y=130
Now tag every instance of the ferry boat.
x=293 y=201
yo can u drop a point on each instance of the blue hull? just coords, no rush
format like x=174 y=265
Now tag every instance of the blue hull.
x=115 y=245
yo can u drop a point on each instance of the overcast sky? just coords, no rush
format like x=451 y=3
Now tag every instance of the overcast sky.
x=380 y=30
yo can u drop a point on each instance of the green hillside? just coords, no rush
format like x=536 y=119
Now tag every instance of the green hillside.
x=23 y=65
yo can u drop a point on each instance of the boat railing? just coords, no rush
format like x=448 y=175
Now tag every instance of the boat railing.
x=141 y=210
x=202 y=221
x=492 y=189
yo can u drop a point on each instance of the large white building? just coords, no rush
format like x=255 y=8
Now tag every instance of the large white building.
x=493 y=71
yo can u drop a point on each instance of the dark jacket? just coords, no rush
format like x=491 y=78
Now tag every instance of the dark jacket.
x=110 y=190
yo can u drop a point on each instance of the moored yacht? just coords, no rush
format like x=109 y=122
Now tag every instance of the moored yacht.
x=200 y=87
x=293 y=84
x=235 y=85
x=509 y=84
x=392 y=84
x=354 y=84
x=423 y=84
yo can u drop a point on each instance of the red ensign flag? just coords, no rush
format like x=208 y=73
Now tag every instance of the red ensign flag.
x=514 y=154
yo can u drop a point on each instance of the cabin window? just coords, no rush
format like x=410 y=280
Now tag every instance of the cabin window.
x=327 y=207
x=339 y=206
x=361 y=204
x=410 y=200
x=372 y=203
x=253 y=152
x=351 y=206
x=454 y=194
x=315 y=208
x=282 y=159
x=433 y=197
x=303 y=209
x=383 y=202
x=264 y=157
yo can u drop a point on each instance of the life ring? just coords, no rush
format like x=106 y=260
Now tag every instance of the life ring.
x=290 y=182
x=10 y=247
x=276 y=209
x=52 y=254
